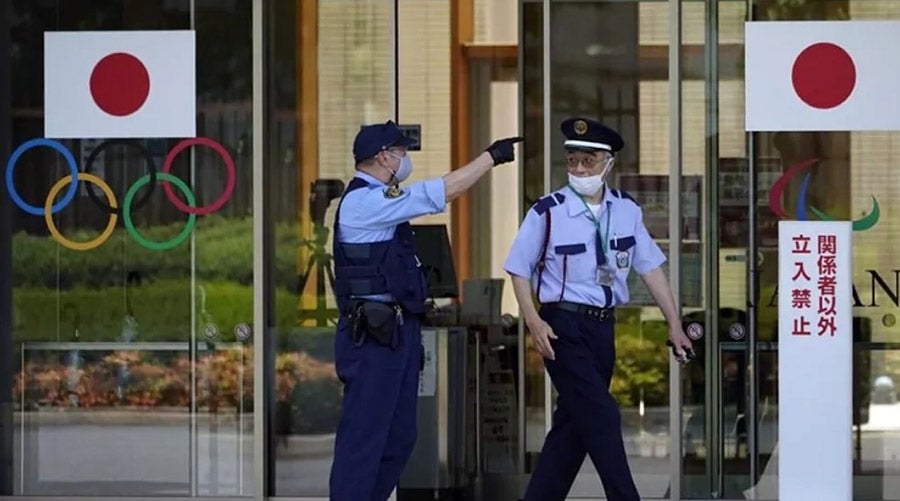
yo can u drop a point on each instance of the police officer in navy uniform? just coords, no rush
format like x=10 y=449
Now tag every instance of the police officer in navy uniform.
x=576 y=247
x=381 y=296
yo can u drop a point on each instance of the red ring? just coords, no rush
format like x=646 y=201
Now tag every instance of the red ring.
x=229 y=183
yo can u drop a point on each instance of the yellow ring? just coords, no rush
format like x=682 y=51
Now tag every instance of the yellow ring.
x=48 y=215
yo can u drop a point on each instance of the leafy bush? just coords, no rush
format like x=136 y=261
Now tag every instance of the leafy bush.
x=153 y=380
x=641 y=364
x=224 y=252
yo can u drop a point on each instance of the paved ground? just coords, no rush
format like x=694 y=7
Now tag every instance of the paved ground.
x=151 y=455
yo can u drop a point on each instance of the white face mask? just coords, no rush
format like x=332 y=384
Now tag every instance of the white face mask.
x=586 y=186
x=405 y=168
x=590 y=185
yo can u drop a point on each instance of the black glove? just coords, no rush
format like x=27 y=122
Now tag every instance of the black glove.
x=503 y=150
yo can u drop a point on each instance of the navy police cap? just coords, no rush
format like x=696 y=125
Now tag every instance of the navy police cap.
x=590 y=135
x=374 y=138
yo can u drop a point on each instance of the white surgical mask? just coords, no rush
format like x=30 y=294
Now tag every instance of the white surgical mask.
x=590 y=185
x=586 y=186
x=405 y=168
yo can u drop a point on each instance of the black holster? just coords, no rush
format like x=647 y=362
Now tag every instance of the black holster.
x=378 y=321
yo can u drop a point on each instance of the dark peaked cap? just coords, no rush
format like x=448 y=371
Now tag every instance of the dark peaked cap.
x=590 y=135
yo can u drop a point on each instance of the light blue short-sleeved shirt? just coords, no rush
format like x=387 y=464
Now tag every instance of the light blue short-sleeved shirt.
x=572 y=248
x=368 y=215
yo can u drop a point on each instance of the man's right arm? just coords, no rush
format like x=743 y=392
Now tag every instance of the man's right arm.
x=523 y=257
x=458 y=181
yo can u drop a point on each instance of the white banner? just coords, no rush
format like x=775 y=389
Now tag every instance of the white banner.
x=821 y=75
x=120 y=84
x=815 y=364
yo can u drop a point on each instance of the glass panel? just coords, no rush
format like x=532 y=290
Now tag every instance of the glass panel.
x=126 y=346
x=714 y=386
x=320 y=99
x=496 y=21
x=533 y=189
x=618 y=75
x=853 y=168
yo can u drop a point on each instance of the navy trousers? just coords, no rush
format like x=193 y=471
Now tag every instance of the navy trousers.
x=587 y=419
x=377 y=430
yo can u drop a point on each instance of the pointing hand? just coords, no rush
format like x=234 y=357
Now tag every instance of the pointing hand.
x=503 y=150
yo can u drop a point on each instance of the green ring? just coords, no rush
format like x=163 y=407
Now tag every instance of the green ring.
x=129 y=225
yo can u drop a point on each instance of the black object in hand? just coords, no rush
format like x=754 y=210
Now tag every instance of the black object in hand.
x=688 y=352
x=503 y=150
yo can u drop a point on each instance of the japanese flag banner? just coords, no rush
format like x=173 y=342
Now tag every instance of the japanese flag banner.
x=822 y=75
x=119 y=84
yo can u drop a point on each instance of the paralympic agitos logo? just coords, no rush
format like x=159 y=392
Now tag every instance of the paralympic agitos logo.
x=129 y=204
x=862 y=224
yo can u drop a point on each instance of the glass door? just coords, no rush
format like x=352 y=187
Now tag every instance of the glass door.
x=128 y=343
x=608 y=60
x=730 y=398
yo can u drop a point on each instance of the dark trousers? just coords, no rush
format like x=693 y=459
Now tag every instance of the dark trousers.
x=377 y=430
x=587 y=419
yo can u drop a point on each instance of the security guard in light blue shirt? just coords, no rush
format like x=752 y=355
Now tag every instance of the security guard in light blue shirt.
x=576 y=248
x=381 y=295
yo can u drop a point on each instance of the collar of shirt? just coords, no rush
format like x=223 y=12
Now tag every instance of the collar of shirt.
x=370 y=178
x=576 y=206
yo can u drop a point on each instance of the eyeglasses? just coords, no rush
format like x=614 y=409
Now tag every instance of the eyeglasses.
x=589 y=162
x=396 y=152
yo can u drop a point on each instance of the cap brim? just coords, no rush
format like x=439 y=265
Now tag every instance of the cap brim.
x=404 y=141
x=585 y=149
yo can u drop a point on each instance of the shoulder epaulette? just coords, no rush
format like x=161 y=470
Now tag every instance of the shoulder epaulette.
x=624 y=195
x=548 y=201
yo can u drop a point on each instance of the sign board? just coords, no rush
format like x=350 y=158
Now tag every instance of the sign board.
x=414 y=131
x=815 y=365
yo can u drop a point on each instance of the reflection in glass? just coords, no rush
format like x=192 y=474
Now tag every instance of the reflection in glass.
x=320 y=93
x=130 y=347
x=533 y=184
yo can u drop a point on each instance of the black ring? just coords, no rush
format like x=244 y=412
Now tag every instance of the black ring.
x=147 y=156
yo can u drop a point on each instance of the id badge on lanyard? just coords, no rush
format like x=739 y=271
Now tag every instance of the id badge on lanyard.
x=606 y=276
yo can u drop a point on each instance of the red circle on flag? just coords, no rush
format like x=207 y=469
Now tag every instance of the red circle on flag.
x=120 y=84
x=824 y=75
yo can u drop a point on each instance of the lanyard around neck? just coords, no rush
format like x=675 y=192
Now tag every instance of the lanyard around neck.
x=604 y=237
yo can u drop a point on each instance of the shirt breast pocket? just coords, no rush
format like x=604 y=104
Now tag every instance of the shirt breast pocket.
x=622 y=250
x=573 y=262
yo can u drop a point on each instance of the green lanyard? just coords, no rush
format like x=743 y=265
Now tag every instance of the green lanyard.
x=604 y=238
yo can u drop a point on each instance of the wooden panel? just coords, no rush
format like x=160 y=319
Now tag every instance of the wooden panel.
x=461 y=33
x=504 y=52
x=307 y=112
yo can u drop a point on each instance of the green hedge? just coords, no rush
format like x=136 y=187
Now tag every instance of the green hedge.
x=224 y=253
x=162 y=310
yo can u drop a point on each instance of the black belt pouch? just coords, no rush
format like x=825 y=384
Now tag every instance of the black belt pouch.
x=380 y=322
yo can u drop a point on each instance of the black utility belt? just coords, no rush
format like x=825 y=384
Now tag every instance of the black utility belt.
x=376 y=320
x=600 y=313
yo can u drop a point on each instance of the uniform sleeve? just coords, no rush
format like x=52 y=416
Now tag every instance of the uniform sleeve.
x=526 y=248
x=647 y=255
x=372 y=209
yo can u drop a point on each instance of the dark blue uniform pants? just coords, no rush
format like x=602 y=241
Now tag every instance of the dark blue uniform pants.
x=587 y=419
x=377 y=431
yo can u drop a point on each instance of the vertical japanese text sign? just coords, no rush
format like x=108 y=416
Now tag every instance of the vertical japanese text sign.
x=815 y=364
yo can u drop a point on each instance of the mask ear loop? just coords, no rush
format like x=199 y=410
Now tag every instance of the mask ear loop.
x=393 y=174
x=609 y=163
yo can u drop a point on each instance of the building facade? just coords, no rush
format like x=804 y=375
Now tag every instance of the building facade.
x=190 y=355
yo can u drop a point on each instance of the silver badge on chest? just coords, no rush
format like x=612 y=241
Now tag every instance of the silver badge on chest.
x=622 y=260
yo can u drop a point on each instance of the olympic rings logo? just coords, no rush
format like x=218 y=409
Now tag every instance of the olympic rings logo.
x=111 y=206
x=862 y=224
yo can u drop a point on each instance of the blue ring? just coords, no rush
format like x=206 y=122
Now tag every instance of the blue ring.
x=11 y=166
